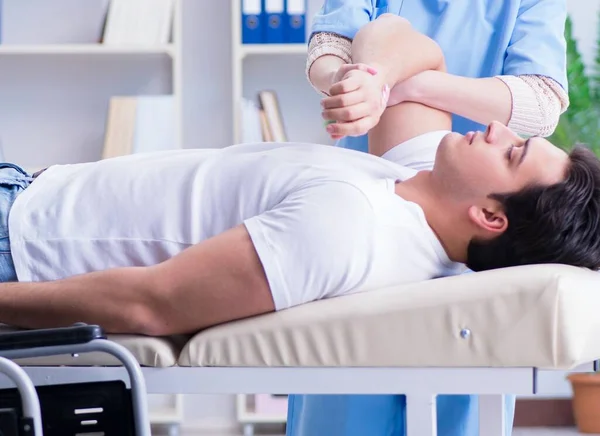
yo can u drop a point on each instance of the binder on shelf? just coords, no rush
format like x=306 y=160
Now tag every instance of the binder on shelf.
x=252 y=26
x=295 y=26
x=273 y=13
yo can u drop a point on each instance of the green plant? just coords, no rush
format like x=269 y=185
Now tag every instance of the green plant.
x=581 y=121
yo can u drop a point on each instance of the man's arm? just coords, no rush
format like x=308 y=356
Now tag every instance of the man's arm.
x=397 y=51
x=216 y=281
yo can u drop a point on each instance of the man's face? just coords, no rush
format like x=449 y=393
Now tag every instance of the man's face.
x=475 y=165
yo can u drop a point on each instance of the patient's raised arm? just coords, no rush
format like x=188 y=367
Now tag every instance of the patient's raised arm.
x=397 y=52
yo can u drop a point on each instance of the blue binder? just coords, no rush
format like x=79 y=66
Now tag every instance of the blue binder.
x=295 y=15
x=252 y=26
x=274 y=21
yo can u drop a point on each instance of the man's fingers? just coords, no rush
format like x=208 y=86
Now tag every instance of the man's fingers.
x=343 y=100
x=354 y=128
x=348 y=113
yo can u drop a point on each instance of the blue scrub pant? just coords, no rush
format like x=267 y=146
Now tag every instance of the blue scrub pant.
x=381 y=415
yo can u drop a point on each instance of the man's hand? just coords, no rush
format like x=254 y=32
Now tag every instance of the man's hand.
x=357 y=99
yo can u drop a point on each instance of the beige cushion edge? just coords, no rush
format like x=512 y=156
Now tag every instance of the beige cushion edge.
x=148 y=351
x=319 y=333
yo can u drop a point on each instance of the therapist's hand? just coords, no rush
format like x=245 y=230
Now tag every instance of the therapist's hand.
x=357 y=99
x=408 y=90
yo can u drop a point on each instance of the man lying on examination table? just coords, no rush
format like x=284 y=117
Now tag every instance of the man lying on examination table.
x=173 y=242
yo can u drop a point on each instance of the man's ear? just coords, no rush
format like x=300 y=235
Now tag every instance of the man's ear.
x=490 y=218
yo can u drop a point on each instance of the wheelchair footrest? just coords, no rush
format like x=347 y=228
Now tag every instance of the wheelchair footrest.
x=72 y=409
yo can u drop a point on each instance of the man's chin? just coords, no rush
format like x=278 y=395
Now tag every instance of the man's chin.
x=450 y=139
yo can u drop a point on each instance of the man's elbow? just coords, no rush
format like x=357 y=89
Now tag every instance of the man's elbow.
x=394 y=20
x=145 y=313
x=385 y=23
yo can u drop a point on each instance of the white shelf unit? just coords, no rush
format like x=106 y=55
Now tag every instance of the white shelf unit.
x=55 y=101
x=249 y=418
x=58 y=94
x=168 y=414
x=84 y=49
x=266 y=49
x=240 y=52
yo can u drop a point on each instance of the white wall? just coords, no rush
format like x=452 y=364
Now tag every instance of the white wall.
x=211 y=101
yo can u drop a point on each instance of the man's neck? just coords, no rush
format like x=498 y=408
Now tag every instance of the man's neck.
x=421 y=190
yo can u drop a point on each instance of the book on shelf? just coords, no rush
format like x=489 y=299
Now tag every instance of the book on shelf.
x=262 y=120
x=269 y=103
x=139 y=22
x=139 y=124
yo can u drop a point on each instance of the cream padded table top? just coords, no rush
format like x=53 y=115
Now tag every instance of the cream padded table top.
x=545 y=316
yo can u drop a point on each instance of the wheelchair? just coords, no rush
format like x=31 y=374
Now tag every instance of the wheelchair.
x=110 y=408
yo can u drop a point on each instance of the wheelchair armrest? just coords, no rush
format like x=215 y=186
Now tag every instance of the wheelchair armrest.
x=76 y=334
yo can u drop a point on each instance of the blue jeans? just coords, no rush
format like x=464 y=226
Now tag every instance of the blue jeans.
x=13 y=180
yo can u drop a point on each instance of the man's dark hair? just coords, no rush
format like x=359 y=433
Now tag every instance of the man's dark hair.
x=548 y=224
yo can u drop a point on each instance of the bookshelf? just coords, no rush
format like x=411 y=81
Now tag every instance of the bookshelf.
x=277 y=67
x=248 y=417
x=84 y=49
x=59 y=93
x=55 y=104
x=270 y=49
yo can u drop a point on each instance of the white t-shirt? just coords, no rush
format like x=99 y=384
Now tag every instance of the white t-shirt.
x=324 y=221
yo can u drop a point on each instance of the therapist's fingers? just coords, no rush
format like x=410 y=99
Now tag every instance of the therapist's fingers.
x=349 y=84
x=349 y=113
x=343 y=100
x=346 y=68
x=354 y=128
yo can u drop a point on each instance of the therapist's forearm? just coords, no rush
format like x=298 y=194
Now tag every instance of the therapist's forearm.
x=481 y=100
x=395 y=49
x=322 y=71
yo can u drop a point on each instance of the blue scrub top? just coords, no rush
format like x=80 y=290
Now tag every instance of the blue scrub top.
x=479 y=38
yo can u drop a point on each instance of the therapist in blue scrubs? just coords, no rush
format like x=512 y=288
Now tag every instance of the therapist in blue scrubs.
x=511 y=51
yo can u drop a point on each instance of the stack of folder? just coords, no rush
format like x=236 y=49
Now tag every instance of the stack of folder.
x=273 y=21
